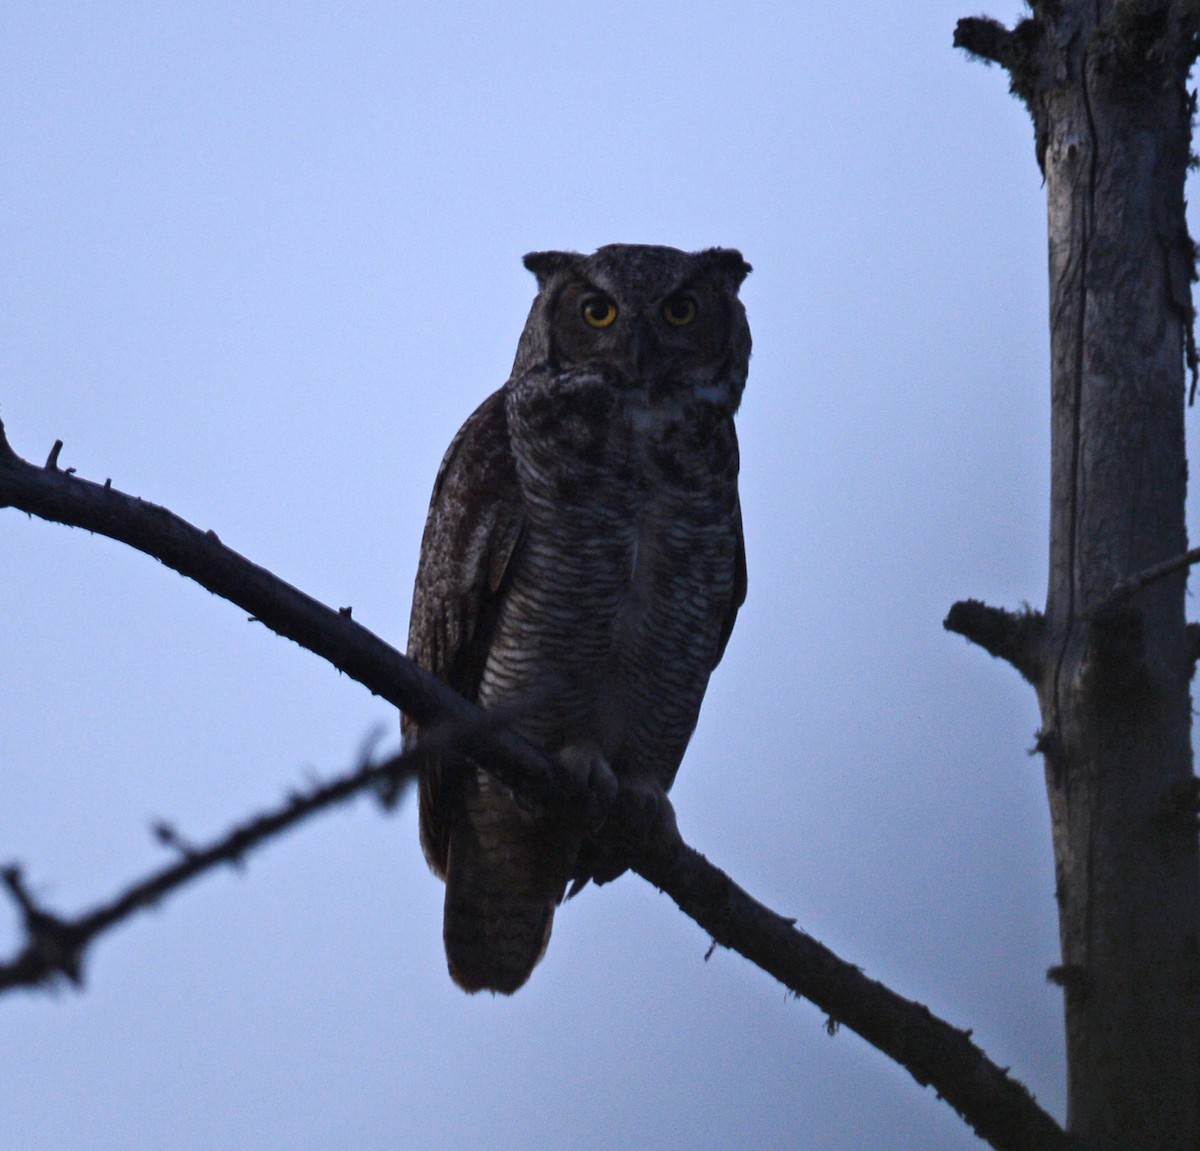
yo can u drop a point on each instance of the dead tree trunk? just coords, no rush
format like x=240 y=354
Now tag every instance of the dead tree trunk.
x=1105 y=83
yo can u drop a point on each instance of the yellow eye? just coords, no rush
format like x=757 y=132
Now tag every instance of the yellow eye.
x=598 y=311
x=679 y=311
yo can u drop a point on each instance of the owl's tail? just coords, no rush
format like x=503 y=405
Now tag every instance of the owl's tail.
x=506 y=872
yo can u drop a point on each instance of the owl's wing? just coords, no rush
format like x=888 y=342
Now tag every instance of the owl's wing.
x=474 y=526
x=738 y=596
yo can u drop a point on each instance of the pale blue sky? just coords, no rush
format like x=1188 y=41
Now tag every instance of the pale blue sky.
x=260 y=261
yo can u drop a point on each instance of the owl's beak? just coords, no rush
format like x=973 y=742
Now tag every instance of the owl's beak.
x=641 y=346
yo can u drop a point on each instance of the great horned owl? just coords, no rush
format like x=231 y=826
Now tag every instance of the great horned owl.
x=581 y=569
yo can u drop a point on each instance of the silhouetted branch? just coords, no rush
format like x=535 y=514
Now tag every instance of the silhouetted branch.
x=999 y=1109
x=62 y=497
x=1133 y=584
x=933 y=1051
x=984 y=38
x=1017 y=636
x=55 y=948
x=1012 y=636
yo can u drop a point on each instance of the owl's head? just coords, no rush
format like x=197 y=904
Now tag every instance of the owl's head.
x=657 y=318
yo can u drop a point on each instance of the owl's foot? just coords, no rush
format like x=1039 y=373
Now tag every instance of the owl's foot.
x=642 y=813
x=586 y=763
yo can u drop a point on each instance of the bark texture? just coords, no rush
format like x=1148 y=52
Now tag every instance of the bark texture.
x=1105 y=83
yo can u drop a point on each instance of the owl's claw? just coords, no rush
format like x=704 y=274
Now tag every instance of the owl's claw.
x=642 y=812
x=587 y=765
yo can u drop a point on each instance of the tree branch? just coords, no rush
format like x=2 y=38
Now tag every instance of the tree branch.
x=999 y=1109
x=62 y=497
x=1131 y=585
x=1017 y=636
x=933 y=1051
x=1012 y=636
x=984 y=38
x=1018 y=52
x=54 y=948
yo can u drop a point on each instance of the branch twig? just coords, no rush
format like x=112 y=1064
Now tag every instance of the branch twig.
x=54 y=948
x=934 y=1052
x=1131 y=585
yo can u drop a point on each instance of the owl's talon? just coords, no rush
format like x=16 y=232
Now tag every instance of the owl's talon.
x=586 y=763
x=640 y=814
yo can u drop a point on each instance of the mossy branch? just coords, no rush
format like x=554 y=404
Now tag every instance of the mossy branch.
x=985 y=39
x=1012 y=636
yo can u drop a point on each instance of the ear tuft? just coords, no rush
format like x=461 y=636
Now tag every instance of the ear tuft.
x=545 y=264
x=729 y=262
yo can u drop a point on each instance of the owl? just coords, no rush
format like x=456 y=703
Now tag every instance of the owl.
x=580 y=574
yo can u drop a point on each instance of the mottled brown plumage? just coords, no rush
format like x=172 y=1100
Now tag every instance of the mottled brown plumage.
x=582 y=568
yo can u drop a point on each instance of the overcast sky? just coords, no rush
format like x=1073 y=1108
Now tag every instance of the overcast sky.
x=259 y=263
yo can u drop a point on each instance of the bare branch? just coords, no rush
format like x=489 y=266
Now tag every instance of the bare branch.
x=999 y=1109
x=1133 y=584
x=55 y=947
x=1017 y=636
x=933 y=1051
x=64 y=498
x=1012 y=636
